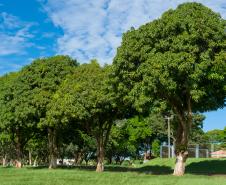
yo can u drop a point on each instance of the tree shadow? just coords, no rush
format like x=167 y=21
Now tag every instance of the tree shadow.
x=40 y=167
x=208 y=167
x=80 y=167
x=155 y=170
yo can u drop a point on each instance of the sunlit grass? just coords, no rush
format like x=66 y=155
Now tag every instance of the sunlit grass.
x=139 y=175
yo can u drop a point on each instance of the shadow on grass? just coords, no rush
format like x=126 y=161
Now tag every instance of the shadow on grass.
x=208 y=167
x=156 y=170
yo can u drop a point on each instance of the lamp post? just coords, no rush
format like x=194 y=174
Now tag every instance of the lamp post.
x=168 y=118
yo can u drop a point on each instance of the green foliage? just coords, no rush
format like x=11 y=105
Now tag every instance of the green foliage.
x=178 y=56
x=155 y=148
x=43 y=77
x=197 y=133
x=215 y=136
x=24 y=97
x=133 y=136
x=38 y=147
x=81 y=97
x=177 y=62
x=120 y=144
x=137 y=129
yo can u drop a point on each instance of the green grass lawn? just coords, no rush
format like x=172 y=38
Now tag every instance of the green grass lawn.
x=155 y=172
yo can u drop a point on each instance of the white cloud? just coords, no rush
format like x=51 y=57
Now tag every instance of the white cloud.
x=92 y=29
x=9 y=21
x=14 y=35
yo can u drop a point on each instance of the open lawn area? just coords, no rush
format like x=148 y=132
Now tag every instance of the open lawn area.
x=155 y=172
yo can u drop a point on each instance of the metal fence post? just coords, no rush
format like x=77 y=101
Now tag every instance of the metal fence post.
x=173 y=153
x=207 y=153
x=161 y=151
x=197 y=151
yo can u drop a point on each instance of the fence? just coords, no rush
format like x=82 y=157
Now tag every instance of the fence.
x=194 y=151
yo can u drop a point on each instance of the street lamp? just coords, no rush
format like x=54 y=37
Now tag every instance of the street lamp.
x=168 y=118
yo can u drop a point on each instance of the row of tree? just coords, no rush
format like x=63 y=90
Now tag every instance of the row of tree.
x=173 y=65
x=56 y=106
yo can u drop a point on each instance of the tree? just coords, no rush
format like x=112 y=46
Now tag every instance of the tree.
x=120 y=146
x=16 y=113
x=84 y=99
x=42 y=79
x=215 y=136
x=133 y=137
x=178 y=59
x=197 y=133
x=6 y=148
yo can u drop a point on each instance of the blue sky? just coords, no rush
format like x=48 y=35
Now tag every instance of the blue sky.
x=82 y=29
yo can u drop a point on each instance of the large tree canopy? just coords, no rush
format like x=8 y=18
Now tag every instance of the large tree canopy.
x=83 y=98
x=179 y=59
x=17 y=115
x=25 y=95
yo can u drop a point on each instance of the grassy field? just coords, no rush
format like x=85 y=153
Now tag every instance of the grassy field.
x=155 y=172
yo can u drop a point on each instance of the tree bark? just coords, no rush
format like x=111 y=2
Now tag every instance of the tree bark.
x=183 y=130
x=100 y=154
x=52 y=148
x=78 y=157
x=18 y=161
x=4 y=161
x=179 y=168
x=35 y=161
x=30 y=158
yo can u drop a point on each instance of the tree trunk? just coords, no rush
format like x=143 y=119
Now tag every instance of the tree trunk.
x=4 y=161
x=179 y=168
x=18 y=161
x=52 y=148
x=35 y=161
x=181 y=150
x=30 y=158
x=145 y=155
x=181 y=143
x=100 y=154
x=78 y=157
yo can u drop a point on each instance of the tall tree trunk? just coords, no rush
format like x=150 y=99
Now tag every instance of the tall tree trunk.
x=181 y=148
x=30 y=157
x=4 y=160
x=35 y=161
x=18 y=161
x=52 y=148
x=100 y=154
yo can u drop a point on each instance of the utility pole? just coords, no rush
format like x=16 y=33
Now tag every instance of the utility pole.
x=168 y=122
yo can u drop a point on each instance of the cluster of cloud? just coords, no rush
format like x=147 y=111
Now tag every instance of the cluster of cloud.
x=14 y=35
x=93 y=29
